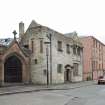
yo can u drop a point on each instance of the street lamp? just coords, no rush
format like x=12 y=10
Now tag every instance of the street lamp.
x=47 y=54
x=50 y=42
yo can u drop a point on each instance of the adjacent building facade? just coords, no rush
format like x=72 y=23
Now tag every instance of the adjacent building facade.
x=56 y=58
x=93 y=58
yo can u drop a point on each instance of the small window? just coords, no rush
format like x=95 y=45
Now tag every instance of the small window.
x=59 y=68
x=93 y=65
x=32 y=46
x=60 y=46
x=99 y=66
x=41 y=46
x=26 y=46
x=68 y=48
x=45 y=72
x=93 y=42
x=36 y=61
x=96 y=43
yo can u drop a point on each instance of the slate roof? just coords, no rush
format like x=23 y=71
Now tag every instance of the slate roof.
x=5 y=41
x=75 y=37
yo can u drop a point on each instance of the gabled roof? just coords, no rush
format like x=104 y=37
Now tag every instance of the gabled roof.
x=25 y=51
x=74 y=36
x=33 y=24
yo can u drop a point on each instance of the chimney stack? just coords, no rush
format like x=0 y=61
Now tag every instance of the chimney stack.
x=21 y=29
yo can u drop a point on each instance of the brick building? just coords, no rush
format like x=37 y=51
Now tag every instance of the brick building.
x=93 y=57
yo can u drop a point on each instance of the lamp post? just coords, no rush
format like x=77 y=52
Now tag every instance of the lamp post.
x=47 y=56
x=50 y=42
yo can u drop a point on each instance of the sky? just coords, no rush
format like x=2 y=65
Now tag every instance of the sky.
x=86 y=17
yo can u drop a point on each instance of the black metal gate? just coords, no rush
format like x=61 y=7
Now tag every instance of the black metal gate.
x=13 y=70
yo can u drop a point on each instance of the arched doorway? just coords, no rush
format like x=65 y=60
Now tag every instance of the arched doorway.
x=13 y=70
x=68 y=73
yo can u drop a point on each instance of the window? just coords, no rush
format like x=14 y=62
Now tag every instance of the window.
x=68 y=48
x=45 y=72
x=36 y=61
x=99 y=66
x=41 y=46
x=94 y=43
x=59 y=68
x=32 y=46
x=74 y=50
x=75 y=69
x=59 y=46
x=78 y=51
x=26 y=46
x=93 y=65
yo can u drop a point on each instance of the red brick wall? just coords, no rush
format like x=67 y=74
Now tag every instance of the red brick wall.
x=93 y=50
x=87 y=50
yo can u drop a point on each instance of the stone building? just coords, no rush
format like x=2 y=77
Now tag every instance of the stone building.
x=56 y=57
x=93 y=57
x=14 y=62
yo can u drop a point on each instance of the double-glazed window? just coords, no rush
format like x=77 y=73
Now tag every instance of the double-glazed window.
x=59 y=68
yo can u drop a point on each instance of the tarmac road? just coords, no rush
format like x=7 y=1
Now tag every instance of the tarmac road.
x=87 y=95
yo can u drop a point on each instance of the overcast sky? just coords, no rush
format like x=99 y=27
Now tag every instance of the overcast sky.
x=87 y=17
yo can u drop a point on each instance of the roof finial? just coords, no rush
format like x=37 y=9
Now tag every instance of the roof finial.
x=14 y=32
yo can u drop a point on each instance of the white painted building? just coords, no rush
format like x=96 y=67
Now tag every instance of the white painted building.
x=56 y=58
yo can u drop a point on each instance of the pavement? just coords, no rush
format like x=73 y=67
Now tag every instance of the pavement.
x=7 y=90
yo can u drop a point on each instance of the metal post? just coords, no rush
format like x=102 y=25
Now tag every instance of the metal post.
x=50 y=59
x=47 y=66
x=50 y=42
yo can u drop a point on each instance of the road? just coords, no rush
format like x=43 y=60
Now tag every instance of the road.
x=88 y=95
